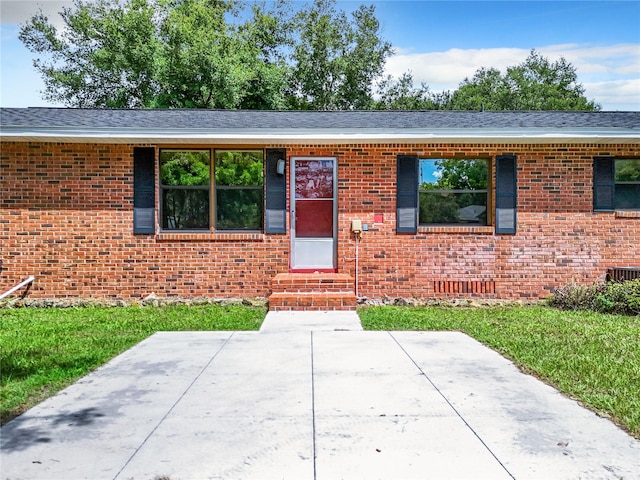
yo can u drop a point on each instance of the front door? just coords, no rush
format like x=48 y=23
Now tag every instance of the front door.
x=313 y=214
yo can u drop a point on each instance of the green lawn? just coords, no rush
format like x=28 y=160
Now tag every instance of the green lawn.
x=44 y=350
x=594 y=358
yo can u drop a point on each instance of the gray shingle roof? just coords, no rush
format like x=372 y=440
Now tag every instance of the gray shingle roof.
x=256 y=126
x=257 y=119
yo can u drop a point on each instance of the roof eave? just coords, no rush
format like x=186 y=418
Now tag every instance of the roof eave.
x=315 y=136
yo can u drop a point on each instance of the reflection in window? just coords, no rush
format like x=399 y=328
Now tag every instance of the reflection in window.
x=627 y=184
x=239 y=177
x=314 y=179
x=453 y=191
x=184 y=189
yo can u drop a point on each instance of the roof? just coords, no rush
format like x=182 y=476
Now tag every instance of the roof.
x=259 y=126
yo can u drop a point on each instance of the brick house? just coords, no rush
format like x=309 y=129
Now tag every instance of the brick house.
x=123 y=203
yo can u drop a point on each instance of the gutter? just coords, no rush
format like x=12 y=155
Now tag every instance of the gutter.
x=320 y=136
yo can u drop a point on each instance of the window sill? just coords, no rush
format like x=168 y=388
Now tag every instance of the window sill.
x=209 y=237
x=627 y=213
x=477 y=230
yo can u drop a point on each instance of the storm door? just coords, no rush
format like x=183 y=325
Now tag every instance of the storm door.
x=313 y=214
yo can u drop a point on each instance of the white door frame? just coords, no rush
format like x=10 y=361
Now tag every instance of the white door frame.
x=313 y=254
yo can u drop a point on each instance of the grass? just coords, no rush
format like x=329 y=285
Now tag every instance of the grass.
x=44 y=350
x=592 y=357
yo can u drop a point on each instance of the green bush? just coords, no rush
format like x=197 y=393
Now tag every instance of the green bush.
x=621 y=298
x=577 y=297
x=613 y=297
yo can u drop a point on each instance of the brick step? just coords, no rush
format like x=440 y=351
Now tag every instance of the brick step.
x=312 y=301
x=312 y=291
x=312 y=282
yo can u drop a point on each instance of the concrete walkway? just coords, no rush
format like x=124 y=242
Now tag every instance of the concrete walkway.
x=321 y=401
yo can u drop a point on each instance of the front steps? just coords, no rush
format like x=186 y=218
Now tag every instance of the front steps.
x=312 y=291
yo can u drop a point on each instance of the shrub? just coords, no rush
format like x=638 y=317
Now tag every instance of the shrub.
x=621 y=298
x=577 y=297
x=613 y=297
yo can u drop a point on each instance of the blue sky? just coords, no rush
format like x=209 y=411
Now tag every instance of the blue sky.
x=440 y=42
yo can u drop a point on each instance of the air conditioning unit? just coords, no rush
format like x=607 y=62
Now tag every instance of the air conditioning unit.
x=622 y=274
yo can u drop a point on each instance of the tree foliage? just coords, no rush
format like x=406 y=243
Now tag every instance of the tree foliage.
x=462 y=174
x=208 y=54
x=401 y=94
x=628 y=170
x=535 y=84
x=185 y=167
x=158 y=53
x=239 y=168
x=231 y=54
x=335 y=61
x=103 y=57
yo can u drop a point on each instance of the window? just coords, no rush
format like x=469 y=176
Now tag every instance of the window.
x=627 y=184
x=453 y=191
x=616 y=183
x=239 y=179
x=186 y=190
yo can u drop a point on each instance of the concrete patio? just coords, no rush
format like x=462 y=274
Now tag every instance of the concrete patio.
x=311 y=396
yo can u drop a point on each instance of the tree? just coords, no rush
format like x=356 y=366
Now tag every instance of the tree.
x=202 y=58
x=104 y=57
x=267 y=33
x=208 y=62
x=535 y=84
x=208 y=54
x=335 y=62
x=218 y=54
x=159 y=53
x=400 y=94
x=628 y=170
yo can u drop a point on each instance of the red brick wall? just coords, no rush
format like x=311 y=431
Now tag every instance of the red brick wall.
x=66 y=217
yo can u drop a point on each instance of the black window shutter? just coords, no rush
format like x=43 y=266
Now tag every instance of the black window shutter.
x=276 y=192
x=506 y=194
x=603 y=183
x=407 y=194
x=144 y=190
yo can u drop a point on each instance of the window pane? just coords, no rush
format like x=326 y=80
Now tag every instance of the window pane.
x=627 y=195
x=314 y=218
x=628 y=170
x=239 y=168
x=461 y=208
x=239 y=209
x=185 y=209
x=181 y=167
x=627 y=183
x=453 y=174
x=453 y=191
x=314 y=178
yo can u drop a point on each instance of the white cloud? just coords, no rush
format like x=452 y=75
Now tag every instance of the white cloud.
x=14 y=12
x=615 y=95
x=609 y=73
x=619 y=59
x=445 y=70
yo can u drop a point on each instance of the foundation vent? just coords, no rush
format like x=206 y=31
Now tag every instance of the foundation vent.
x=464 y=286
